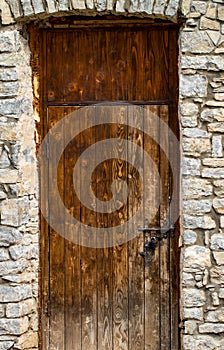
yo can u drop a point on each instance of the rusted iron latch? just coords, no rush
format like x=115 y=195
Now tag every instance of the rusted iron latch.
x=153 y=235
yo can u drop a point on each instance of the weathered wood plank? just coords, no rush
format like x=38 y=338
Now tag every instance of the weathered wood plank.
x=72 y=251
x=88 y=255
x=105 y=254
x=165 y=244
x=151 y=206
x=57 y=242
x=136 y=292
x=120 y=252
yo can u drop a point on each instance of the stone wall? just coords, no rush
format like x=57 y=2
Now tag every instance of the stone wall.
x=19 y=248
x=202 y=126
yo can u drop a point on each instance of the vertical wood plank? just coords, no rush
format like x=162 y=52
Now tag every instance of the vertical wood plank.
x=120 y=252
x=151 y=206
x=55 y=64
x=72 y=251
x=165 y=243
x=105 y=254
x=88 y=255
x=57 y=243
x=136 y=292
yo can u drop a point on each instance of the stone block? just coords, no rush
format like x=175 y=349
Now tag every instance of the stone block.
x=189 y=122
x=14 y=326
x=22 y=308
x=204 y=222
x=51 y=6
x=211 y=328
x=196 y=188
x=213 y=103
x=222 y=221
x=217 y=241
x=193 y=297
x=207 y=23
x=38 y=6
x=221 y=296
x=211 y=11
x=27 y=252
x=9 y=176
x=221 y=13
x=188 y=280
x=219 y=187
x=196 y=42
x=199 y=6
x=8 y=74
x=195 y=256
x=190 y=327
x=6 y=344
x=193 y=85
x=190 y=237
x=25 y=277
x=172 y=8
x=28 y=340
x=6 y=16
x=195 y=313
x=219 y=257
x=27 y=7
x=9 y=235
x=217 y=148
x=209 y=114
x=219 y=96
x=197 y=207
x=9 y=106
x=188 y=109
x=10 y=294
x=200 y=342
x=195 y=133
x=196 y=146
x=208 y=63
x=191 y=166
x=213 y=162
x=4 y=157
x=15 y=212
x=218 y=204
x=12 y=267
x=15 y=7
x=2 y=310
x=8 y=132
x=63 y=5
x=215 y=299
x=216 y=127
x=217 y=275
x=8 y=89
x=217 y=173
x=4 y=254
x=7 y=41
x=215 y=316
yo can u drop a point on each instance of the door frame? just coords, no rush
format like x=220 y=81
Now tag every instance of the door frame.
x=39 y=88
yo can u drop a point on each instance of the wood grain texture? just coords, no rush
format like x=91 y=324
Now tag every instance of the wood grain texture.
x=56 y=244
x=105 y=67
x=107 y=298
x=151 y=205
x=136 y=273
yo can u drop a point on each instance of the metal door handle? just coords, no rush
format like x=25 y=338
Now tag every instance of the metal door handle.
x=153 y=235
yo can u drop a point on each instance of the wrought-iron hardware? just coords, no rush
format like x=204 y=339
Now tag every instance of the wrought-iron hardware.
x=153 y=235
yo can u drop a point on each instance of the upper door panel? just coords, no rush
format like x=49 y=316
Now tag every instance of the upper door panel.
x=107 y=65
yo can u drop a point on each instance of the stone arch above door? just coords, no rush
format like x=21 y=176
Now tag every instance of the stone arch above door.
x=19 y=10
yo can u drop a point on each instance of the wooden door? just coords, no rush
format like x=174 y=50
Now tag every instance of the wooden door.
x=108 y=297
